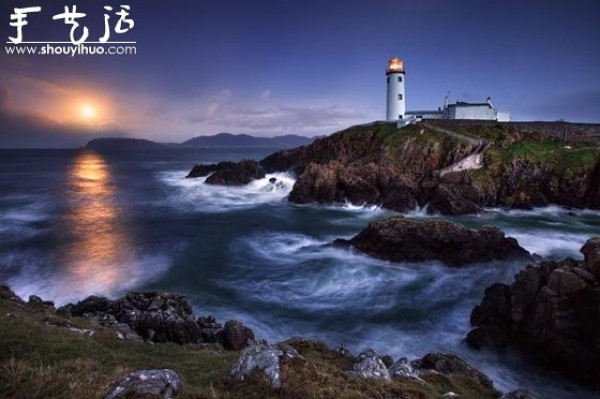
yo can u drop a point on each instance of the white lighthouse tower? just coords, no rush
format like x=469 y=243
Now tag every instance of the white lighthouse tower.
x=396 y=101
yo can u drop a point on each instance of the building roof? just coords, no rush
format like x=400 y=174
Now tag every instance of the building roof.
x=465 y=104
x=436 y=112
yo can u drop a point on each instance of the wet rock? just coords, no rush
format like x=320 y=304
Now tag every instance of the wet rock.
x=236 y=335
x=551 y=313
x=335 y=182
x=369 y=365
x=155 y=384
x=261 y=357
x=204 y=170
x=238 y=174
x=519 y=394
x=451 y=365
x=591 y=251
x=400 y=239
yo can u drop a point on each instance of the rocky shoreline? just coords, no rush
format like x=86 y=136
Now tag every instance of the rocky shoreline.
x=550 y=313
x=153 y=317
x=400 y=169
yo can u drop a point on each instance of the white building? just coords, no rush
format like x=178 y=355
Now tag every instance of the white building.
x=396 y=103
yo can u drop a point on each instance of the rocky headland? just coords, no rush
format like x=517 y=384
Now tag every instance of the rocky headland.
x=518 y=165
x=401 y=239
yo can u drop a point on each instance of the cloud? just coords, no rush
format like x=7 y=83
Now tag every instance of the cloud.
x=215 y=105
x=26 y=129
x=4 y=97
x=43 y=86
x=286 y=119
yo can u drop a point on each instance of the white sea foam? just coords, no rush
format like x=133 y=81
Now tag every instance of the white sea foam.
x=550 y=244
x=196 y=195
x=38 y=275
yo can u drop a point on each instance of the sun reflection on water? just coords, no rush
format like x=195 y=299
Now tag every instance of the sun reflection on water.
x=97 y=248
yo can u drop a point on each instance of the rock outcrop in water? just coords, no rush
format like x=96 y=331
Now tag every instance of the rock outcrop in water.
x=378 y=164
x=160 y=317
x=401 y=239
x=229 y=173
x=551 y=312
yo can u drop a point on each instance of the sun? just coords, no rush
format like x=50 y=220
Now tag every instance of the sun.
x=88 y=112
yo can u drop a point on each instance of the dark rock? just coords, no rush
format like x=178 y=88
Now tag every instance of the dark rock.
x=159 y=317
x=90 y=305
x=551 y=313
x=34 y=299
x=204 y=170
x=367 y=184
x=8 y=294
x=451 y=365
x=400 y=239
x=210 y=329
x=369 y=365
x=237 y=174
x=272 y=180
x=155 y=384
x=519 y=394
x=591 y=251
x=236 y=335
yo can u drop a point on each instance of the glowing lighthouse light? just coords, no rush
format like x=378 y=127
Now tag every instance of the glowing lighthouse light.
x=396 y=102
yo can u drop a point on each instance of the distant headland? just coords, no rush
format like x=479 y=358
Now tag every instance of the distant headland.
x=221 y=140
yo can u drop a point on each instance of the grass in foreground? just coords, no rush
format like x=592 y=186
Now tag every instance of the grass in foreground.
x=40 y=360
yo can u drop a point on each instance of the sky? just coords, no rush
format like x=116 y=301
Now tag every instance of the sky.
x=311 y=67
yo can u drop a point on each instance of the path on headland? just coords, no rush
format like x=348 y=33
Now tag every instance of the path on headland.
x=472 y=161
x=473 y=141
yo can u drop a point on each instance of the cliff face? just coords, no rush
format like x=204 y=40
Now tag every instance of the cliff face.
x=399 y=169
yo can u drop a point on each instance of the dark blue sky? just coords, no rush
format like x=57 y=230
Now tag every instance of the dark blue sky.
x=310 y=67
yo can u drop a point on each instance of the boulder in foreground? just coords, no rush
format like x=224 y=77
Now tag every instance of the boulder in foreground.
x=401 y=239
x=155 y=384
x=551 y=313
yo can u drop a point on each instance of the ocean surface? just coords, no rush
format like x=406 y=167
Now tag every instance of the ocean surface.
x=75 y=223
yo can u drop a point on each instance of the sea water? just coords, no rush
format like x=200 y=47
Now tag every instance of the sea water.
x=75 y=223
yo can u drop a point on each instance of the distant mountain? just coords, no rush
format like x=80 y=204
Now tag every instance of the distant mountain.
x=123 y=144
x=218 y=140
x=245 y=140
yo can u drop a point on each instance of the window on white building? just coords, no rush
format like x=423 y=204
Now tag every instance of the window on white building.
x=399 y=78
x=399 y=96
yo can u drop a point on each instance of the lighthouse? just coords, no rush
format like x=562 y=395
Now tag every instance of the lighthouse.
x=396 y=101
